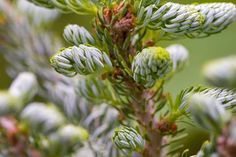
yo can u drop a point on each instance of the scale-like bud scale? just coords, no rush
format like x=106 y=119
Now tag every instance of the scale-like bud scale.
x=150 y=65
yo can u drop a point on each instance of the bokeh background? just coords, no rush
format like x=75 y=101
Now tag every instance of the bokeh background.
x=201 y=51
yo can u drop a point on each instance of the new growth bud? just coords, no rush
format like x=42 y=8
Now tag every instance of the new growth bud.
x=39 y=116
x=128 y=139
x=22 y=90
x=77 y=35
x=221 y=72
x=208 y=112
x=179 y=56
x=68 y=136
x=191 y=20
x=7 y=103
x=24 y=87
x=150 y=65
x=83 y=60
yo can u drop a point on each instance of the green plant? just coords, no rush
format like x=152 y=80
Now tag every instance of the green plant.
x=123 y=65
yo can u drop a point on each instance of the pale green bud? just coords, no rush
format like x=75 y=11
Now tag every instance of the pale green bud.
x=45 y=118
x=179 y=56
x=77 y=35
x=83 y=60
x=221 y=72
x=68 y=136
x=128 y=139
x=24 y=87
x=226 y=97
x=208 y=112
x=7 y=103
x=150 y=65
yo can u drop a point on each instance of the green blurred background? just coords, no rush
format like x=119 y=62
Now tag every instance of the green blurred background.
x=201 y=51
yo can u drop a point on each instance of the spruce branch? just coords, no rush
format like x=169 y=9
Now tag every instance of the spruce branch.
x=97 y=90
x=33 y=55
x=124 y=69
x=196 y=20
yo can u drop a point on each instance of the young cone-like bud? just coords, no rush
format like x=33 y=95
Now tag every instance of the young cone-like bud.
x=191 y=20
x=151 y=64
x=226 y=97
x=83 y=60
x=179 y=56
x=208 y=112
x=221 y=72
x=128 y=139
x=77 y=35
x=39 y=116
x=24 y=87
x=68 y=136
